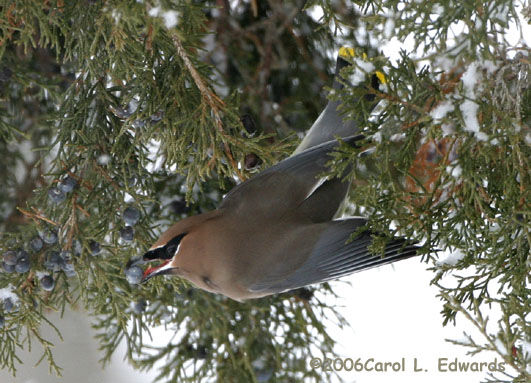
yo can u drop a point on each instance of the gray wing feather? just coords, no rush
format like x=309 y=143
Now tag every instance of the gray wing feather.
x=292 y=179
x=328 y=125
x=333 y=257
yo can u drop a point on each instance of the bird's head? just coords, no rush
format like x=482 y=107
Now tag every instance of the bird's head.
x=166 y=249
x=165 y=252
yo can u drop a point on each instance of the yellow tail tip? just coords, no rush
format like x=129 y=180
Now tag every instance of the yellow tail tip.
x=381 y=77
x=346 y=52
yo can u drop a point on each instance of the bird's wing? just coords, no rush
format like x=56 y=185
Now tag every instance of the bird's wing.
x=286 y=184
x=323 y=204
x=328 y=125
x=332 y=257
x=331 y=122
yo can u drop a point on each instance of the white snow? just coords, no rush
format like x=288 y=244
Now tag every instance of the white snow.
x=441 y=110
x=447 y=129
x=128 y=198
x=154 y=12
x=500 y=346
x=362 y=69
x=357 y=77
x=502 y=13
x=170 y=18
x=444 y=62
x=397 y=137
x=366 y=66
x=104 y=159
x=438 y=9
x=7 y=293
x=489 y=66
x=156 y=159
x=389 y=27
x=41 y=274
x=482 y=136
x=25 y=148
x=526 y=349
x=470 y=109
x=452 y=258
x=116 y=15
x=470 y=78
x=456 y=171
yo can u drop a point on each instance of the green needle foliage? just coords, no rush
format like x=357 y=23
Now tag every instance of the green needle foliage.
x=152 y=105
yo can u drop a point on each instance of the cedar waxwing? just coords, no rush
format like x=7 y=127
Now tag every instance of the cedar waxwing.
x=276 y=231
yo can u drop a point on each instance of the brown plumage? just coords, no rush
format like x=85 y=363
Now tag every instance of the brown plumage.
x=276 y=231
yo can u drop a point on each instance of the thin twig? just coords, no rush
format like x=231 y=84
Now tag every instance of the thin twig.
x=213 y=101
x=480 y=325
x=72 y=225
x=36 y=216
x=86 y=213
x=28 y=282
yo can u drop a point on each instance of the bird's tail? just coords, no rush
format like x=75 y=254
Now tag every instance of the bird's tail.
x=330 y=123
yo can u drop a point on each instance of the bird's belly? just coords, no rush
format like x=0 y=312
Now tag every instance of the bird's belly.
x=251 y=254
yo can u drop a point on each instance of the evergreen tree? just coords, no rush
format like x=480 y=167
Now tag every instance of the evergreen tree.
x=120 y=117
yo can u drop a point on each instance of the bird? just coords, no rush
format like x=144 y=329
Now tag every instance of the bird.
x=278 y=231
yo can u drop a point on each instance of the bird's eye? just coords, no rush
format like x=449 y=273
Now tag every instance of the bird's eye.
x=170 y=250
x=173 y=246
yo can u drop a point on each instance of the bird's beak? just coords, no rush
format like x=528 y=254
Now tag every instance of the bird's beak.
x=153 y=255
x=162 y=269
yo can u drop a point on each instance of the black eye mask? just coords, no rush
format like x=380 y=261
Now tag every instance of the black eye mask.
x=167 y=251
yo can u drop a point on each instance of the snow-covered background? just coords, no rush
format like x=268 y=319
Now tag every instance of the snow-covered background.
x=392 y=311
x=393 y=314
